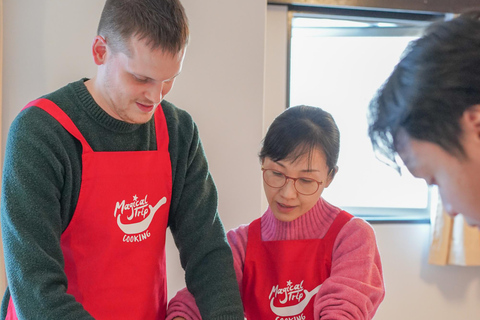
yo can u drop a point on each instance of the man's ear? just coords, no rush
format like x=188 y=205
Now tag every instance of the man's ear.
x=471 y=120
x=330 y=176
x=99 y=50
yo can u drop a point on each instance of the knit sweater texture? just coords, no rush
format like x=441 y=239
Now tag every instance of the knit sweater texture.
x=41 y=184
x=355 y=287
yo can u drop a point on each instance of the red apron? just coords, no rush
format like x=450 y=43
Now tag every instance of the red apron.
x=114 y=247
x=281 y=278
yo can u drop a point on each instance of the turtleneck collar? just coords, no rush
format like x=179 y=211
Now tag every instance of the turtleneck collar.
x=312 y=225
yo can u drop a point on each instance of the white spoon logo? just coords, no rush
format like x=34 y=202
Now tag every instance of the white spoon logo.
x=138 y=227
x=295 y=309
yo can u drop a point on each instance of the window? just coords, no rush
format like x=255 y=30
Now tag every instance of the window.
x=337 y=63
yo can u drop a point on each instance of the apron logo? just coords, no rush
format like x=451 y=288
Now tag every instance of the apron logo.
x=136 y=210
x=295 y=293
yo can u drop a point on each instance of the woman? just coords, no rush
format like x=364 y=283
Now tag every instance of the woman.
x=304 y=258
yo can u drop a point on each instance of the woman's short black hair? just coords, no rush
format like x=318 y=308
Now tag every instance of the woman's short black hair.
x=299 y=130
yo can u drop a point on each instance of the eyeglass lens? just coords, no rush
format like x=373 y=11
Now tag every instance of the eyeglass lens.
x=277 y=179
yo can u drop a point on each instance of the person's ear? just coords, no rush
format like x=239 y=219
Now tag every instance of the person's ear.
x=330 y=176
x=99 y=50
x=471 y=121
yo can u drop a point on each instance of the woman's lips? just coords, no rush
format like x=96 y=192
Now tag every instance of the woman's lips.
x=284 y=208
x=144 y=108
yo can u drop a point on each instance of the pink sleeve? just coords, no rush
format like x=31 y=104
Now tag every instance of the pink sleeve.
x=238 y=238
x=183 y=304
x=355 y=287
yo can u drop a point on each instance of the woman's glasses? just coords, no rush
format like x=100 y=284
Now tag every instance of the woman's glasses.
x=276 y=179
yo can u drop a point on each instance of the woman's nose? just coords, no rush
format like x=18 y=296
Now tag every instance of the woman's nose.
x=288 y=190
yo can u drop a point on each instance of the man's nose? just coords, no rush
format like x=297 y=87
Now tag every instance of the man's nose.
x=155 y=94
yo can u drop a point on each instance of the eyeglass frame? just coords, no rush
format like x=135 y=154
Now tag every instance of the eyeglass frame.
x=294 y=181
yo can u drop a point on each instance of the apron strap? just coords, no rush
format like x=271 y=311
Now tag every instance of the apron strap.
x=60 y=115
x=342 y=218
x=161 y=130
x=254 y=232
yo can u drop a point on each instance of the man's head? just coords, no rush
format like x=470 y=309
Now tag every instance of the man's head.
x=431 y=102
x=162 y=23
x=139 y=51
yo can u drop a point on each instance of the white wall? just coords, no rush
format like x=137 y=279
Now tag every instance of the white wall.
x=221 y=85
x=417 y=290
x=47 y=44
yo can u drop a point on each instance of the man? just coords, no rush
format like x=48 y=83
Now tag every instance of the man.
x=428 y=112
x=95 y=172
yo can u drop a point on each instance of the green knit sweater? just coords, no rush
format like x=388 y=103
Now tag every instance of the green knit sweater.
x=41 y=184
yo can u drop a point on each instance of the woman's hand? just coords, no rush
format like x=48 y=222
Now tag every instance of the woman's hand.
x=178 y=318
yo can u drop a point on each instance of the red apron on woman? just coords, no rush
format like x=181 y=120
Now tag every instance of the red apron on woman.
x=114 y=246
x=281 y=278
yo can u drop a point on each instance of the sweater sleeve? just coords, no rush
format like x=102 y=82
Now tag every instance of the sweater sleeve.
x=36 y=169
x=183 y=303
x=355 y=287
x=196 y=226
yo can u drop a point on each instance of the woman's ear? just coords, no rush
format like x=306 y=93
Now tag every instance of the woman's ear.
x=330 y=176
x=99 y=50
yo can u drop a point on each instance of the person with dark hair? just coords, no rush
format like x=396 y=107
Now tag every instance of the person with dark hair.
x=428 y=113
x=96 y=171
x=303 y=258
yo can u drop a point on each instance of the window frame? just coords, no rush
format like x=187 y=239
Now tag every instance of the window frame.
x=411 y=20
x=354 y=14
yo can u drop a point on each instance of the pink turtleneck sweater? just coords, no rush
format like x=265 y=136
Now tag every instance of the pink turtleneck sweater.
x=355 y=287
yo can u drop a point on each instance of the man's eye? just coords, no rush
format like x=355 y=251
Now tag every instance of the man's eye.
x=138 y=79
